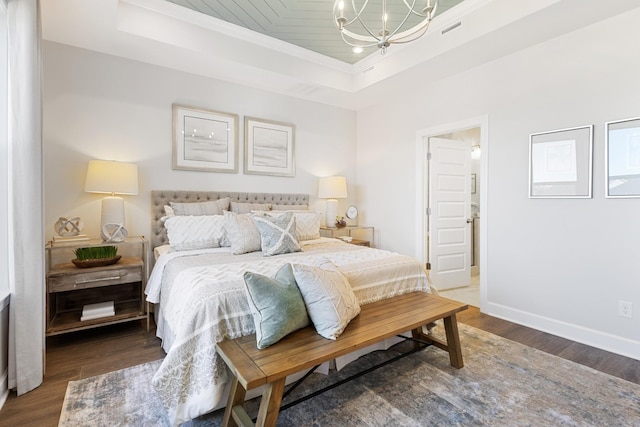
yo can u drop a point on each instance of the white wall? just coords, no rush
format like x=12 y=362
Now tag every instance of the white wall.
x=106 y=107
x=557 y=265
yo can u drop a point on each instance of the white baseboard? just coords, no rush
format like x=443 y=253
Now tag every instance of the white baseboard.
x=602 y=340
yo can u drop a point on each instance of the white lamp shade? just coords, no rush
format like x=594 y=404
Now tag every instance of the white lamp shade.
x=332 y=187
x=105 y=176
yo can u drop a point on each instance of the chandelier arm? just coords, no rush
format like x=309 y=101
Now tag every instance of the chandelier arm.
x=423 y=26
x=403 y=21
x=359 y=19
x=358 y=45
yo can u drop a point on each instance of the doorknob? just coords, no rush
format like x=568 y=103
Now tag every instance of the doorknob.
x=469 y=220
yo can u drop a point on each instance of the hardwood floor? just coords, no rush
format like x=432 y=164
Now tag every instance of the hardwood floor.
x=84 y=354
x=75 y=356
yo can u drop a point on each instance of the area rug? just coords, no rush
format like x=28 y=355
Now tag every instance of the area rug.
x=503 y=383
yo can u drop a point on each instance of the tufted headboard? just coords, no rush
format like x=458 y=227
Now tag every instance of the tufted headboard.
x=160 y=198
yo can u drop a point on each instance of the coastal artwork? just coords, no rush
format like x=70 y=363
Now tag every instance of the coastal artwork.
x=204 y=140
x=269 y=148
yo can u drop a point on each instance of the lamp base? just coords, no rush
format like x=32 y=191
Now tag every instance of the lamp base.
x=112 y=227
x=332 y=212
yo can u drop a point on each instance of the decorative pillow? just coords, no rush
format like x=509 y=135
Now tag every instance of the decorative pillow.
x=211 y=207
x=307 y=223
x=289 y=207
x=195 y=232
x=242 y=233
x=241 y=207
x=276 y=304
x=330 y=302
x=277 y=233
x=168 y=211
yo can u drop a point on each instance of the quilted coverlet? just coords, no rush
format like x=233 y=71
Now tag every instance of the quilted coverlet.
x=203 y=301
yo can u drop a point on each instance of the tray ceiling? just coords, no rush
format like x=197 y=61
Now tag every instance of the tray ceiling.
x=305 y=23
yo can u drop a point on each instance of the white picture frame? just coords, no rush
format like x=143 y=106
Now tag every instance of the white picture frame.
x=561 y=163
x=622 y=154
x=204 y=140
x=269 y=147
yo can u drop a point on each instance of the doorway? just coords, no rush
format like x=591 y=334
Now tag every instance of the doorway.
x=465 y=230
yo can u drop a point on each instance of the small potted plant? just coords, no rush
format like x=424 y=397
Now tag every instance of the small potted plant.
x=96 y=256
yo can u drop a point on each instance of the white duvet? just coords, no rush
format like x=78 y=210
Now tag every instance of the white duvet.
x=202 y=301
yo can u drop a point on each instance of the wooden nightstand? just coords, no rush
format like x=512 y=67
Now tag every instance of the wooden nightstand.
x=70 y=288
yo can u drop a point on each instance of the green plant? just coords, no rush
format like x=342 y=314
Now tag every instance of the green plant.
x=96 y=252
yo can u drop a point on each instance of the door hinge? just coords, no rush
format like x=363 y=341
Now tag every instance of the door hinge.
x=428 y=156
x=428 y=211
x=428 y=266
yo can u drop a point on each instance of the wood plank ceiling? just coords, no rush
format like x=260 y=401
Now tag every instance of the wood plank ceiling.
x=305 y=23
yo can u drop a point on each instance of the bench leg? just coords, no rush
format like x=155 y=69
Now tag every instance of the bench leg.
x=270 y=404
x=236 y=397
x=453 y=341
x=452 y=345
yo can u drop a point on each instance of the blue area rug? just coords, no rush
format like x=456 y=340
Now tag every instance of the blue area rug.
x=503 y=383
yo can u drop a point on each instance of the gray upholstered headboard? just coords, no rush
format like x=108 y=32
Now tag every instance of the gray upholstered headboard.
x=160 y=198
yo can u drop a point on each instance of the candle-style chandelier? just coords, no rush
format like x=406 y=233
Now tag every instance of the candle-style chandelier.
x=359 y=32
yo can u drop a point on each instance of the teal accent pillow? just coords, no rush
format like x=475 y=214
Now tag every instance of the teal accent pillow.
x=276 y=304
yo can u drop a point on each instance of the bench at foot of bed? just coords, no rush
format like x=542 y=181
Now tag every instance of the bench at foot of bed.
x=305 y=349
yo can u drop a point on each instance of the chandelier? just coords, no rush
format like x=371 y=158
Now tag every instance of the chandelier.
x=359 y=33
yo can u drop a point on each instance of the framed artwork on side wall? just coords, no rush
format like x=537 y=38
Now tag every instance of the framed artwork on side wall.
x=269 y=147
x=561 y=163
x=204 y=140
x=623 y=158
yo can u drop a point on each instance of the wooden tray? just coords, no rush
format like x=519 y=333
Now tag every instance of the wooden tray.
x=100 y=262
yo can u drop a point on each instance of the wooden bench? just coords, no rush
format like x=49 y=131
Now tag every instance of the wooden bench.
x=305 y=349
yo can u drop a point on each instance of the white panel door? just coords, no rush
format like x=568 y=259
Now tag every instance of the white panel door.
x=449 y=217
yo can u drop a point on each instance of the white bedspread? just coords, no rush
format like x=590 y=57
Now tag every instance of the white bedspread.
x=202 y=301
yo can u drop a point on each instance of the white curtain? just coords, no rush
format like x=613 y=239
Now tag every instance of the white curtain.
x=26 y=232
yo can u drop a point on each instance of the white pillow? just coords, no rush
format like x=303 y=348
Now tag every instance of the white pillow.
x=277 y=234
x=242 y=233
x=186 y=232
x=245 y=207
x=211 y=207
x=307 y=225
x=330 y=302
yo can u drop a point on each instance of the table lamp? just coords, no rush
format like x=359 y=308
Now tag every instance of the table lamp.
x=104 y=176
x=332 y=188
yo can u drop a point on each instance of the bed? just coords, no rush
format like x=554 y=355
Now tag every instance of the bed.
x=199 y=292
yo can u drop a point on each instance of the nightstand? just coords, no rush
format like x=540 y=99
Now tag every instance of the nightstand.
x=362 y=235
x=70 y=288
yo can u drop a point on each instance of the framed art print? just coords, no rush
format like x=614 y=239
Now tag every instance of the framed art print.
x=623 y=158
x=560 y=163
x=204 y=140
x=269 y=147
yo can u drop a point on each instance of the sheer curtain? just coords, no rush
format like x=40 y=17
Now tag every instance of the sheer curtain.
x=26 y=233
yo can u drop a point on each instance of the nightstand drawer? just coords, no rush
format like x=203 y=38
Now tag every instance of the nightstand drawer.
x=92 y=279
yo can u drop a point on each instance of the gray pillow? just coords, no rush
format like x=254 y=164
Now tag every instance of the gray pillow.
x=211 y=207
x=327 y=294
x=277 y=305
x=242 y=233
x=277 y=234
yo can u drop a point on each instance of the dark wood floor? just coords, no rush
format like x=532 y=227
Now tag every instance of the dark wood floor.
x=88 y=353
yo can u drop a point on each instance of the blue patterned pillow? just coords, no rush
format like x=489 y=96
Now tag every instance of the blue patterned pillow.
x=277 y=234
x=276 y=304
